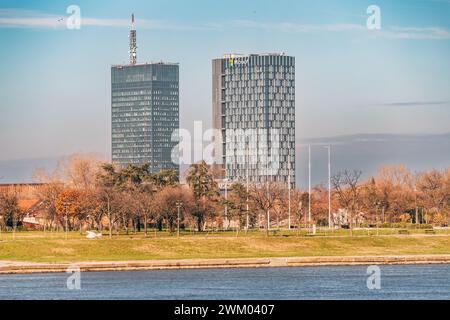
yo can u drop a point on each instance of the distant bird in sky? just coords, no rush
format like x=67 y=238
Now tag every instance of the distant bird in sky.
x=60 y=19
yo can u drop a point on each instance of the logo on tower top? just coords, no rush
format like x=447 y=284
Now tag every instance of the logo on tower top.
x=232 y=62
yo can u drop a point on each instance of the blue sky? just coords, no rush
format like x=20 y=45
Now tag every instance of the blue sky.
x=55 y=82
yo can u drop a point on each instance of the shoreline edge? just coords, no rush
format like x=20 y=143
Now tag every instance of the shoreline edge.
x=13 y=267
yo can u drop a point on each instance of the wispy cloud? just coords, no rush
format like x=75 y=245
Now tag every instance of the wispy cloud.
x=19 y=18
x=392 y=32
x=412 y=33
x=10 y=17
x=293 y=27
x=414 y=103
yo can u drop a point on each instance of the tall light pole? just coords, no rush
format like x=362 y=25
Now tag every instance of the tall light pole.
x=289 y=195
x=178 y=204
x=226 y=202
x=246 y=173
x=329 y=185
x=309 y=185
x=289 y=183
x=268 y=194
x=415 y=203
x=67 y=219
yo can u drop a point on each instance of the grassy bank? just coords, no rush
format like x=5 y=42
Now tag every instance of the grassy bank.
x=52 y=247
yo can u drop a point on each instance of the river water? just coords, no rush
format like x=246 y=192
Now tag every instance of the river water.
x=343 y=282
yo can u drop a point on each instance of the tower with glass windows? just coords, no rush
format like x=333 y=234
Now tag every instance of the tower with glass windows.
x=254 y=109
x=144 y=111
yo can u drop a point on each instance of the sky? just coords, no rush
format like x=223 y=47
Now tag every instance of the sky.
x=55 y=82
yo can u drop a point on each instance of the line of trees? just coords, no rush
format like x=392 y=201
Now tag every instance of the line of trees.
x=10 y=212
x=395 y=195
x=86 y=193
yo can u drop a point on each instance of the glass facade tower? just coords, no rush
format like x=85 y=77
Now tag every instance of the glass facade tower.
x=145 y=113
x=254 y=96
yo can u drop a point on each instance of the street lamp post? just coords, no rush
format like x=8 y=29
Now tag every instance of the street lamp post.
x=247 y=217
x=289 y=195
x=377 y=209
x=329 y=185
x=247 y=186
x=178 y=204
x=415 y=204
x=309 y=186
x=226 y=202
x=67 y=218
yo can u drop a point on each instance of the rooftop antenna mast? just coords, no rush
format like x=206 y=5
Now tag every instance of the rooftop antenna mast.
x=133 y=44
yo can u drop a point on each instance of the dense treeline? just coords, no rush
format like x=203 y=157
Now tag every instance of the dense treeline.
x=86 y=194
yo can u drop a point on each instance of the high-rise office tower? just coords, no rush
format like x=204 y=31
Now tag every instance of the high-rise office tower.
x=254 y=108
x=145 y=111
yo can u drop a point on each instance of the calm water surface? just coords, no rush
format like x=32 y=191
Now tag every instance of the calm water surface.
x=397 y=282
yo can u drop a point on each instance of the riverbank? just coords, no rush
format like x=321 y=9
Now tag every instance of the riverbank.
x=37 y=247
x=52 y=252
x=13 y=267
